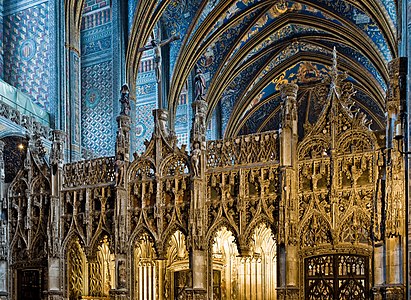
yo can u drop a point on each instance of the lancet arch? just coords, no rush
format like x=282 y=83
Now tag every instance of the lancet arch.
x=177 y=273
x=144 y=268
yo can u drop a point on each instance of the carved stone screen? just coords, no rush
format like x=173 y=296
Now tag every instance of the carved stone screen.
x=337 y=276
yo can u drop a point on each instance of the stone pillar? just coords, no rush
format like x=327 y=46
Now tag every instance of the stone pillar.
x=121 y=239
x=379 y=271
x=289 y=281
x=161 y=273
x=123 y=138
x=54 y=260
x=289 y=119
x=395 y=227
x=70 y=106
x=4 y=242
x=120 y=282
x=198 y=249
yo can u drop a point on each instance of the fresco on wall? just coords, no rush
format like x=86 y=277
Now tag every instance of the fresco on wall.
x=97 y=99
x=27 y=49
x=1 y=40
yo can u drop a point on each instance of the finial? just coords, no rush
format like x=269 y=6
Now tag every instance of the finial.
x=334 y=70
x=335 y=58
x=334 y=74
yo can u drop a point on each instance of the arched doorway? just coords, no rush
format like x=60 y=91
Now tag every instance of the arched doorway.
x=252 y=277
x=144 y=269
x=178 y=277
x=90 y=277
x=336 y=276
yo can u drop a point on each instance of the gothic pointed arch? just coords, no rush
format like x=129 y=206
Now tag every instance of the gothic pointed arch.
x=355 y=228
x=222 y=223
x=170 y=234
x=76 y=265
x=101 y=236
x=255 y=225
x=143 y=267
x=142 y=234
x=315 y=231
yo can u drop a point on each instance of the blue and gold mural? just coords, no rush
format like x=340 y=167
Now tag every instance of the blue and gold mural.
x=27 y=49
x=245 y=48
x=1 y=41
x=97 y=99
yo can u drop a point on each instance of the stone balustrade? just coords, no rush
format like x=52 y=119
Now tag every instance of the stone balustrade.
x=89 y=172
x=243 y=150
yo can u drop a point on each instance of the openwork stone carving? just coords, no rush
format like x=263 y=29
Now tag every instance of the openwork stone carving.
x=243 y=150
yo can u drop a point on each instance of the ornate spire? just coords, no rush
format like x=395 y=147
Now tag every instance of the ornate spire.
x=334 y=75
x=123 y=126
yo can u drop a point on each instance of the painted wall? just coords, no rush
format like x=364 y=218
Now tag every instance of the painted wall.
x=26 y=48
x=146 y=101
x=1 y=40
x=97 y=99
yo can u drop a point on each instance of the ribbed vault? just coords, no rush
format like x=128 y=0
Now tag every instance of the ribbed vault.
x=249 y=48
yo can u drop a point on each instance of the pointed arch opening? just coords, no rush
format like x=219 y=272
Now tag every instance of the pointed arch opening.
x=89 y=276
x=244 y=277
x=177 y=277
x=144 y=265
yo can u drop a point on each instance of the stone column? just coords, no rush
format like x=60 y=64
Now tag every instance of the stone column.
x=55 y=230
x=288 y=241
x=161 y=273
x=123 y=138
x=70 y=108
x=198 y=248
x=395 y=227
x=379 y=271
x=4 y=242
x=121 y=292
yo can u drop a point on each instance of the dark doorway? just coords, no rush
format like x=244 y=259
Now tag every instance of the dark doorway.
x=182 y=280
x=28 y=285
x=336 y=276
x=217 y=284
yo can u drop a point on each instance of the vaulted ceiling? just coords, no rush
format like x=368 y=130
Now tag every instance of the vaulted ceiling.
x=249 y=48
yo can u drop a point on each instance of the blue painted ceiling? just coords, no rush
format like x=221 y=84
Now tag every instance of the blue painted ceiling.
x=248 y=48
